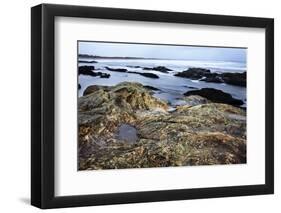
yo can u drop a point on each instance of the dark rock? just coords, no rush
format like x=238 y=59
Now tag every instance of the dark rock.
x=116 y=69
x=238 y=79
x=87 y=62
x=213 y=79
x=103 y=75
x=159 y=68
x=147 y=68
x=86 y=70
x=134 y=66
x=149 y=75
x=79 y=86
x=194 y=73
x=146 y=74
x=151 y=87
x=216 y=96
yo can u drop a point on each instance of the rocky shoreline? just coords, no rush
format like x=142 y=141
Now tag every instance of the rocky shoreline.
x=237 y=79
x=125 y=126
x=201 y=74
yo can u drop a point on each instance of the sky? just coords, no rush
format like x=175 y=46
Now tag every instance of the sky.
x=163 y=51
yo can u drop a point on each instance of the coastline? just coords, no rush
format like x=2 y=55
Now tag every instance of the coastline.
x=200 y=132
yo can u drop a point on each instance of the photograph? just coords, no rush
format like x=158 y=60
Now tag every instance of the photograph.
x=140 y=105
x=160 y=105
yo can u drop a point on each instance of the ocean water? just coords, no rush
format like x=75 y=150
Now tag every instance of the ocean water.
x=171 y=88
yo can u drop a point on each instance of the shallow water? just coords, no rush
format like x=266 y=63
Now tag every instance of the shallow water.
x=171 y=87
x=127 y=133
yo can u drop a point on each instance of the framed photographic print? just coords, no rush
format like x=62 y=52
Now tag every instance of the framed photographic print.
x=139 y=106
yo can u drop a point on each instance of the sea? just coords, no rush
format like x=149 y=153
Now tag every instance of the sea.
x=171 y=88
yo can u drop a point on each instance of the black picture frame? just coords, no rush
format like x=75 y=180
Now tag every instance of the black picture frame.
x=43 y=102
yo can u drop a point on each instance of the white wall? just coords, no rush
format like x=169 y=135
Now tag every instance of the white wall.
x=15 y=105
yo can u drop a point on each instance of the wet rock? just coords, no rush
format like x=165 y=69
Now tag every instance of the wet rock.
x=86 y=70
x=237 y=79
x=205 y=134
x=134 y=66
x=103 y=75
x=87 y=62
x=149 y=75
x=151 y=87
x=158 y=68
x=213 y=79
x=194 y=73
x=116 y=69
x=79 y=86
x=216 y=96
x=89 y=70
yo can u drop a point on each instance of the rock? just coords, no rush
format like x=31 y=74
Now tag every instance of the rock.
x=194 y=73
x=86 y=70
x=213 y=79
x=87 y=62
x=134 y=66
x=216 y=96
x=118 y=128
x=103 y=75
x=145 y=74
x=151 y=87
x=194 y=100
x=238 y=79
x=94 y=88
x=79 y=86
x=159 y=68
x=149 y=75
x=116 y=69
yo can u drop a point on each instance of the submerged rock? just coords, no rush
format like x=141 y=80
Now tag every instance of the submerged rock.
x=216 y=96
x=134 y=66
x=145 y=74
x=116 y=69
x=103 y=75
x=127 y=133
x=149 y=75
x=159 y=68
x=151 y=87
x=87 y=62
x=124 y=126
